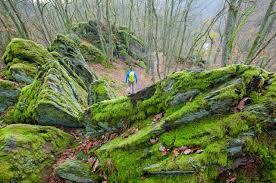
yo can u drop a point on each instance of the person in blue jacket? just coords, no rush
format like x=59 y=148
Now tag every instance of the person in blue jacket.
x=131 y=78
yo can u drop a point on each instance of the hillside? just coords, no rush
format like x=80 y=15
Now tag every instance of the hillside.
x=61 y=119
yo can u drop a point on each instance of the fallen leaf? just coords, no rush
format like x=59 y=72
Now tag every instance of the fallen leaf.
x=91 y=161
x=187 y=151
x=241 y=104
x=175 y=153
x=157 y=117
x=231 y=179
x=96 y=164
x=199 y=151
x=163 y=150
x=183 y=148
x=153 y=141
x=130 y=131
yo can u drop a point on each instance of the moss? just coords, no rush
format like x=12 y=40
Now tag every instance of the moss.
x=100 y=91
x=6 y=84
x=125 y=42
x=25 y=151
x=23 y=72
x=27 y=51
x=72 y=60
x=75 y=170
x=53 y=98
x=92 y=54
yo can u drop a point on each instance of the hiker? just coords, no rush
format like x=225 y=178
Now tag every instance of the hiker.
x=131 y=78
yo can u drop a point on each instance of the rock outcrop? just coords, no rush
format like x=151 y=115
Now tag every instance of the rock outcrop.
x=60 y=93
x=193 y=127
x=124 y=42
x=24 y=58
x=28 y=151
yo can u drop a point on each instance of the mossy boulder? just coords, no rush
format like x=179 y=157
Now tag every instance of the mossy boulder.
x=23 y=59
x=100 y=91
x=23 y=72
x=28 y=151
x=130 y=42
x=77 y=171
x=9 y=92
x=125 y=42
x=199 y=110
x=54 y=98
x=72 y=58
x=59 y=93
x=92 y=54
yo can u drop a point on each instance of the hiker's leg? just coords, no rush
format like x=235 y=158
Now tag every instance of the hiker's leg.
x=129 y=88
x=132 y=88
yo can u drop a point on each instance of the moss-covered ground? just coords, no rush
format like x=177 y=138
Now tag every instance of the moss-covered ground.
x=26 y=150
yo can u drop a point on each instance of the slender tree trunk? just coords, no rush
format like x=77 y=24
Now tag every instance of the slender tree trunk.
x=109 y=47
x=19 y=19
x=156 y=39
x=261 y=34
x=229 y=29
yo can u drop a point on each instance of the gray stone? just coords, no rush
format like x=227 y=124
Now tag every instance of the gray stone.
x=76 y=170
x=181 y=98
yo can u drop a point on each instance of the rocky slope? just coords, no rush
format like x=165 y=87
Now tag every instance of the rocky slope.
x=208 y=126
x=211 y=126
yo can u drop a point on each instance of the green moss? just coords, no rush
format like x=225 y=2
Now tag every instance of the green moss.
x=6 y=84
x=100 y=91
x=27 y=51
x=23 y=72
x=92 y=54
x=75 y=170
x=53 y=98
x=25 y=151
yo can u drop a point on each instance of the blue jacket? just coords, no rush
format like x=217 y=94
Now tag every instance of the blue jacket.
x=127 y=76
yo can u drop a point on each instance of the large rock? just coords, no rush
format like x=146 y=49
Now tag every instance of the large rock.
x=23 y=59
x=92 y=54
x=9 y=92
x=124 y=42
x=28 y=151
x=206 y=93
x=226 y=137
x=77 y=171
x=61 y=92
x=54 y=98
x=72 y=58
x=100 y=91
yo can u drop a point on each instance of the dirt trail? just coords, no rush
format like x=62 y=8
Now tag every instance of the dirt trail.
x=115 y=76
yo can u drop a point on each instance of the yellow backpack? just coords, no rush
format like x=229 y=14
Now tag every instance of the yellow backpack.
x=131 y=77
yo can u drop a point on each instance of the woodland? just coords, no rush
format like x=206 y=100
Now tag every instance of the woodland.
x=203 y=107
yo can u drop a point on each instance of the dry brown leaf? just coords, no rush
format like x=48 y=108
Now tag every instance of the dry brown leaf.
x=175 y=153
x=231 y=179
x=163 y=150
x=157 y=117
x=241 y=104
x=153 y=141
x=199 y=151
x=187 y=151
x=96 y=165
